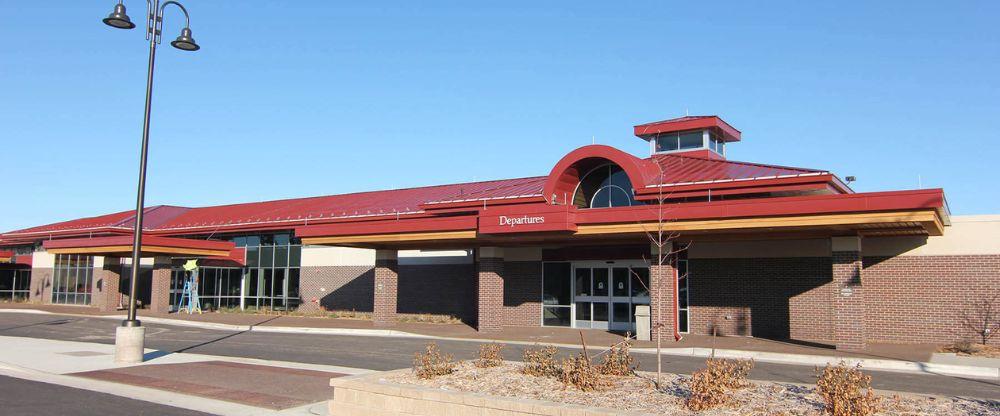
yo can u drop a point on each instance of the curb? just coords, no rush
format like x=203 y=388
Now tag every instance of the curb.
x=989 y=373
x=897 y=366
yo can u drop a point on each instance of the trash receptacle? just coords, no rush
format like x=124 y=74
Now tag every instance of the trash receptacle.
x=642 y=323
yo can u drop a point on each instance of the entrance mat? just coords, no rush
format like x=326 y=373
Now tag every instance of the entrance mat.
x=264 y=386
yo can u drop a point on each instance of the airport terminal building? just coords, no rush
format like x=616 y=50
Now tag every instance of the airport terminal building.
x=711 y=244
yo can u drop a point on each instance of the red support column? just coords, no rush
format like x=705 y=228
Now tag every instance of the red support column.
x=159 y=299
x=489 y=289
x=386 y=283
x=662 y=294
x=107 y=282
x=849 y=295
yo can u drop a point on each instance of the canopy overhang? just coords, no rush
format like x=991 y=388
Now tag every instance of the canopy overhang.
x=922 y=212
x=152 y=246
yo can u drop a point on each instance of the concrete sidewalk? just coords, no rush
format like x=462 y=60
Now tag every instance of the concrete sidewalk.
x=916 y=359
x=211 y=384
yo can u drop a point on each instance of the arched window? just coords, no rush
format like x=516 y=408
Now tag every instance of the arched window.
x=604 y=186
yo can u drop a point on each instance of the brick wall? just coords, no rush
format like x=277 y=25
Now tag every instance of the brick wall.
x=848 y=297
x=490 y=296
x=764 y=297
x=159 y=288
x=386 y=285
x=41 y=285
x=920 y=299
x=522 y=293
x=448 y=289
x=337 y=287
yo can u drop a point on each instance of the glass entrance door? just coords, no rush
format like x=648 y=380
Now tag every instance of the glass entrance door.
x=605 y=294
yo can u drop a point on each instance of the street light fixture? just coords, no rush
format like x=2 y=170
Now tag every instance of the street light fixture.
x=129 y=338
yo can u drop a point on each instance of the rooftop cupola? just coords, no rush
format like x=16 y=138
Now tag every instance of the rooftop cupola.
x=698 y=136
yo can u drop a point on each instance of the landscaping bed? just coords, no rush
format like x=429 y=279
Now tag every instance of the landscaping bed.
x=635 y=392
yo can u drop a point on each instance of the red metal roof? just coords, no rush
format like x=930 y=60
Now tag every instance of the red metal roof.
x=693 y=172
x=119 y=222
x=728 y=133
x=355 y=205
x=682 y=170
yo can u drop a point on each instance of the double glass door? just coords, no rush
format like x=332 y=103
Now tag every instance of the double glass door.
x=605 y=294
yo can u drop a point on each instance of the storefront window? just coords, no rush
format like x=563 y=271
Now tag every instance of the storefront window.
x=71 y=282
x=14 y=284
x=272 y=272
x=556 y=294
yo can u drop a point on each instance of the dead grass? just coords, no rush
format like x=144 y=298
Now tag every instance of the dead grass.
x=971 y=349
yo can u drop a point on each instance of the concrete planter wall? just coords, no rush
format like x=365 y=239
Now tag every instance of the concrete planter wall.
x=372 y=395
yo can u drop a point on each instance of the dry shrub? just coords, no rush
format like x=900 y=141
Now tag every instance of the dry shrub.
x=489 y=355
x=846 y=391
x=965 y=347
x=581 y=373
x=710 y=386
x=432 y=363
x=706 y=391
x=540 y=362
x=618 y=361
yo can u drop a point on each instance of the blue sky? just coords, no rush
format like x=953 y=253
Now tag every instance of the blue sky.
x=290 y=99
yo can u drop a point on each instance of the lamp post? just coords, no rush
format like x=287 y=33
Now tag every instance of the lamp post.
x=129 y=337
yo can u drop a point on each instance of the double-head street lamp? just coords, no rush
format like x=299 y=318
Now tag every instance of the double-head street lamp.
x=129 y=338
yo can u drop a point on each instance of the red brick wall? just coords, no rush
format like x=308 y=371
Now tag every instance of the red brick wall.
x=349 y=288
x=490 y=296
x=159 y=297
x=522 y=293
x=662 y=298
x=386 y=284
x=920 y=299
x=107 y=281
x=848 y=295
x=764 y=297
x=446 y=289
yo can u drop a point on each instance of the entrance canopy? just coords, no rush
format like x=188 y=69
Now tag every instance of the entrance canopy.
x=121 y=246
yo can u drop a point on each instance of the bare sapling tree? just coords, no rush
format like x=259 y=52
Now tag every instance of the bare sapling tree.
x=982 y=317
x=662 y=239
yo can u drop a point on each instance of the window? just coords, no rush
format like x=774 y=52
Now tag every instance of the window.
x=603 y=187
x=272 y=272
x=686 y=140
x=556 y=293
x=682 y=296
x=14 y=284
x=71 y=283
x=270 y=279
